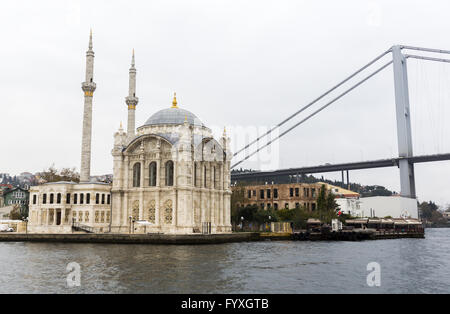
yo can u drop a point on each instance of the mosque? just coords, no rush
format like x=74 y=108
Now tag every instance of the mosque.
x=169 y=176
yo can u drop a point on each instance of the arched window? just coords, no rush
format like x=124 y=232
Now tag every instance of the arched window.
x=214 y=177
x=51 y=198
x=152 y=170
x=44 y=199
x=195 y=174
x=34 y=199
x=58 y=198
x=205 y=183
x=169 y=173
x=137 y=175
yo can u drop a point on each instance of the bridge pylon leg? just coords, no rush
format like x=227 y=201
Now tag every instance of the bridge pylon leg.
x=404 y=137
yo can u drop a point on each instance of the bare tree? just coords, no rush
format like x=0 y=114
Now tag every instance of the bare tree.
x=52 y=174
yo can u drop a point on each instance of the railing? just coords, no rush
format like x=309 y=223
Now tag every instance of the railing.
x=79 y=227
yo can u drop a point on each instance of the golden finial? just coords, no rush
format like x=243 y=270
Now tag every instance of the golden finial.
x=120 y=124
x=224 y=130
x=174 y=102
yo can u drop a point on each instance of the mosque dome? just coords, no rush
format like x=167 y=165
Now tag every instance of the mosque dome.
x=173 y=115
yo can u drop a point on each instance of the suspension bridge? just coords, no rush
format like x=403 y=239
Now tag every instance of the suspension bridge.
x=405 y=160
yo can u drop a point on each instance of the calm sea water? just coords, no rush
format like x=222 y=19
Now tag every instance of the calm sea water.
x=407 y=266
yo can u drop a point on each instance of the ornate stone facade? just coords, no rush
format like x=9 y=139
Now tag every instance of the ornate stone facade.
x=171 y=176
x=55 y=207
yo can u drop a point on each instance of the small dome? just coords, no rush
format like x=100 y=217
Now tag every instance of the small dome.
x=173 y=115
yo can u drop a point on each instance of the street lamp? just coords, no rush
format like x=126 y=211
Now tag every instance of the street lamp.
x=130 y=222
x=242 y=223
x=26 y=225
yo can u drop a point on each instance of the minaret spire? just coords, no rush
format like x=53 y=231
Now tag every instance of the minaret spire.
x=88 y=88
x=90 y=40
x=132 y=101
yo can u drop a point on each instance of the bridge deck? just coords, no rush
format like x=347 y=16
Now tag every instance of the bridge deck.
x=381 y=163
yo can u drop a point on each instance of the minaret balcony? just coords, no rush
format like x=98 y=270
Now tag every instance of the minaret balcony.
x=88 y=87
x=132 y=101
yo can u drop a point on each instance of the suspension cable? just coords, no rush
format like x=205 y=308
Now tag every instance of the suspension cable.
x=426 y=49
x=314 y=101
x=314 y=113
x=427 y=58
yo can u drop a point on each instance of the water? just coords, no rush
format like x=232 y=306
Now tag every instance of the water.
x=407 y=266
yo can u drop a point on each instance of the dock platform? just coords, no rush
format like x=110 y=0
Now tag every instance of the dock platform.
x=194 y=239
x=131 y=238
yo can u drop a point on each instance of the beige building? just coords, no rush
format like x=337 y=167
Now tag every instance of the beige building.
x=340 y=192
x=282 y=196
x=171 y=176
x=290 y=195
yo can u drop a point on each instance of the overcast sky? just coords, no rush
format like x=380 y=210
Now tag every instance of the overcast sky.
x=241 y=64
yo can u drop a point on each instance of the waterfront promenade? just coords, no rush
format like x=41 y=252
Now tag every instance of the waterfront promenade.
x=204 y=238
x=131 y=238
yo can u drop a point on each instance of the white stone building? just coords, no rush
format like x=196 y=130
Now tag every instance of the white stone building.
x=54 y=207
x=389 y=206
x=350 y=206
x=171 y=176
x=379 y=207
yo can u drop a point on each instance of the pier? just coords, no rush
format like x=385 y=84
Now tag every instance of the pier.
x=355 y=235
x=197 y=239
x=192 y=239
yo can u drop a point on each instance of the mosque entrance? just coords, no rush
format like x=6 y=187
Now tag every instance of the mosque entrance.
x=58 y=218
x=206 y=228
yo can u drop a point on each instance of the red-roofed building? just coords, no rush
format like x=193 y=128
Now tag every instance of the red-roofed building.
x=5 y=187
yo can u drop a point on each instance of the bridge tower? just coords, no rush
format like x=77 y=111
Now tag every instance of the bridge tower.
x=405 y=148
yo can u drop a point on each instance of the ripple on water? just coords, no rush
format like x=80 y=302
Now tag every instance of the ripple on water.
x=407 y=266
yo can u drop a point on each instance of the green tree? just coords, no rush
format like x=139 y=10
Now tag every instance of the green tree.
x=248 y=213
x=237 y=199
x=326 y=205
x=438 y=219
x=427 y=209
x=300 y=216
x=262 y=216
x=16 y=213
x=285 y=214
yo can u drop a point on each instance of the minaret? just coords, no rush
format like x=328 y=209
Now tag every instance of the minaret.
x=131 y=101
x=88 y=88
